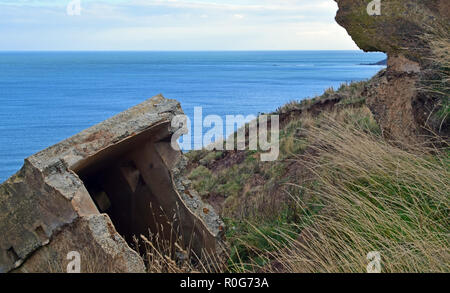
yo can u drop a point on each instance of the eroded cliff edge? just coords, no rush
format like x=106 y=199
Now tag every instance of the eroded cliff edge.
x=404 y=99
x=96 y=190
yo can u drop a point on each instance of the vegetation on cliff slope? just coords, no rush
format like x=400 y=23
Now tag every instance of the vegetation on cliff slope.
x=439 y=40
x=368 y=196
x=338 y=192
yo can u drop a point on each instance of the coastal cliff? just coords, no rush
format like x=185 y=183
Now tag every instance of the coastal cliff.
x=363 y=168
x=408 y=100
x=350 y=180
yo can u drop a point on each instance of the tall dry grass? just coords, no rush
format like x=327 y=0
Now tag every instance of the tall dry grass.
x=163 y=256
x=175 y=254
x=372 y=196
x=438 y=39
x=369 y=195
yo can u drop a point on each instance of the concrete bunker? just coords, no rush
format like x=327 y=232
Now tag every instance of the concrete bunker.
x=132 y=183
x=94 y=191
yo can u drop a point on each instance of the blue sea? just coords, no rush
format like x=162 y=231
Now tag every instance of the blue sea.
x=48 y=96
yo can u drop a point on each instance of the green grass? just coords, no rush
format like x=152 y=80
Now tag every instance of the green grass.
x=364 y=195
x=370 y=196
x=203 y=180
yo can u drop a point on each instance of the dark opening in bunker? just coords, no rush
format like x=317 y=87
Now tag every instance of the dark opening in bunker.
x=131 y=181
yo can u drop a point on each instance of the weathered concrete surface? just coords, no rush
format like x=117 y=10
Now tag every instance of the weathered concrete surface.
x=50 y=207
x=401 y=108
x=101 y=248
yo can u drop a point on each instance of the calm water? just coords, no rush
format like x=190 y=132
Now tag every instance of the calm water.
x=47 y=97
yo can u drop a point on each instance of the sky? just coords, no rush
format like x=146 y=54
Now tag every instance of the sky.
x=167 y=25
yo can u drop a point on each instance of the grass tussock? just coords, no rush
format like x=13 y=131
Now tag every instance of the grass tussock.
x=369 y=196
x=439 y=84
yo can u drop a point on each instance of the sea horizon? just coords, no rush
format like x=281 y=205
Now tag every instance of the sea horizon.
x=48 y=96
x=181 y=51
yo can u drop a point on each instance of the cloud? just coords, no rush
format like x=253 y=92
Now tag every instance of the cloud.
x=172 y=25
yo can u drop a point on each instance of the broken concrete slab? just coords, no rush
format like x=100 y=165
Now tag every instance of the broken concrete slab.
x=123 y=173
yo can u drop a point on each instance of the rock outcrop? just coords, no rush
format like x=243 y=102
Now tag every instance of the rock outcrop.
x=96 y=190
x=402 y=108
